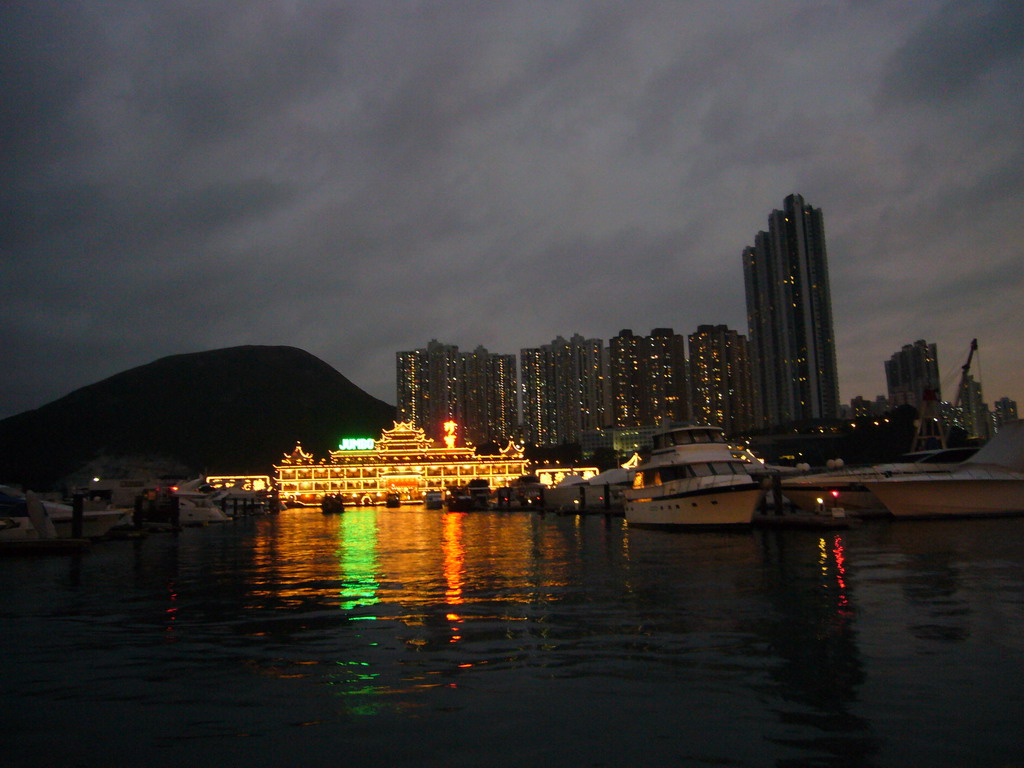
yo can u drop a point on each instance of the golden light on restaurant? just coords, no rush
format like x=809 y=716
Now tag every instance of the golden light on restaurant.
x=402 y=461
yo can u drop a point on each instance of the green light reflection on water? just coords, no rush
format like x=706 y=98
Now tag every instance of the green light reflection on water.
x=357 y=558
x=357 y=686
x=357 y=561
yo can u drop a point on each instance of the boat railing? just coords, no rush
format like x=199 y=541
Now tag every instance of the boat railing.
x=961 y=472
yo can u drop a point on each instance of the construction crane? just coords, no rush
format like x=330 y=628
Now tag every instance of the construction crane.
x=965 y=372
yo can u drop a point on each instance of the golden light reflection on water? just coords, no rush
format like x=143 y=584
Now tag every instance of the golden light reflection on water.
x=420 y=560
x=437 y=595
x=423 y=577
x=454 y=568
x=417 y=570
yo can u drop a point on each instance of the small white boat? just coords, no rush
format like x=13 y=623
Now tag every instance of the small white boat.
x=566 y=495
x=26 y=528
x=196 y=504
x=236 y=501
x=692 y=479
x=989 y=483
x=96 y=522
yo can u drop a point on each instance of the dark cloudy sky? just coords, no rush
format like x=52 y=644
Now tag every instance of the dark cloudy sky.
x=359 y=178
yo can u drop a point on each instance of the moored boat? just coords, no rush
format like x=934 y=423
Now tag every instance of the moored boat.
x=196 y=505
x=989 y=483
x=26 y=528
x=16 y=522
x=845 y=485
x=966 y=492
x=332 y=504
x=459 y=501
x=97 y=520
x=692 y=479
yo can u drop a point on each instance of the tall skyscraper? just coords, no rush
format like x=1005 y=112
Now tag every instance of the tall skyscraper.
x=974 y=415
x=722 y=390
x=412 y=386
x=476 y=389
x=537 y=406
x=789 y=317
x=912 y=372
x=649 y=379
x=564 y=389
x=502 y=401
x=426 y=381
x=625 y=357
x=665 y=394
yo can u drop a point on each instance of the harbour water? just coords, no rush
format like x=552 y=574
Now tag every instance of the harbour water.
x=424 y=638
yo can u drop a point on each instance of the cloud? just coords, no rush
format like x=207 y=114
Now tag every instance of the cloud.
x=954 y=52
x=357 y=178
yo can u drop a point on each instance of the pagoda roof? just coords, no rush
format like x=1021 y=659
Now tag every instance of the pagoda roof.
x=297 y=456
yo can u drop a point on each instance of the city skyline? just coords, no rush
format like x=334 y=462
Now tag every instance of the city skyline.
x=353 y=178
x=569 y=389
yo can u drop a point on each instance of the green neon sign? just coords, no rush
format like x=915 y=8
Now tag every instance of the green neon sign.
x=356 y=444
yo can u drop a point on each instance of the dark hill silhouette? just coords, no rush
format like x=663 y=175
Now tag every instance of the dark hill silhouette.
x=234 y=410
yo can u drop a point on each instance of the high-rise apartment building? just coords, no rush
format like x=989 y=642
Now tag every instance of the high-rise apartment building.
x=485 y=396
x=665 y=393
x=537 y=406
x=412 y=386
x=789 y=317
x=563 y=389
x=912 y=372
x=974 y=415
x=720 y=376
x=426 y=384
x=476 y=389
x=625 y=378
x=502 y=402
x=1005 y=411
x=648 y=378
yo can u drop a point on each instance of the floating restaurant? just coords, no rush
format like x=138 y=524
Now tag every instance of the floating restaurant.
x=404 y=461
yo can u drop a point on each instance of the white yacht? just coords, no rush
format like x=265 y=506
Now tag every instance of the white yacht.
x=991 y=482
x=693 y=478
x=844 y=486
x=96 y=521
x=196 y=504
